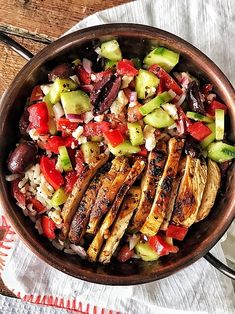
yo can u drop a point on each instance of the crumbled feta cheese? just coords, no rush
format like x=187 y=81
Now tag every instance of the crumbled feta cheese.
x=45 y=88
x=56 y=216
x=99 y=118
x=75 y=78
x=119 y=103
x=93 y=77
x=171 y=110
x=126 y=81
x=149 y=136
x=58 y=165
x=150 y=91
x=78 y=132
x=132 y=104
x=88 y=116
x=34 y=134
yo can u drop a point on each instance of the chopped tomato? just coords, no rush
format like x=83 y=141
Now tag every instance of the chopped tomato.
x=100 y=75
x=36 y=95
x=125 y=254
x=176 y=232
x=83 y=76
x=114 y=137
x=143 y=151
x=16 y=193
x=161 y=87
x=53 y=176
x=169 y=82
x=126 y=67
x=37 y=205
x=198 y=130
x=162 y=247
x=65 y=125
x=79 y=159
x=210 y=109
x=38 y=117
x=96 y=128
x=133 y=113
x=48 y=227
x=70 y=179
x=53 y=143
x=69 y=141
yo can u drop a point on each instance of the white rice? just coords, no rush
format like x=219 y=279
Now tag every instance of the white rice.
x=12 y=177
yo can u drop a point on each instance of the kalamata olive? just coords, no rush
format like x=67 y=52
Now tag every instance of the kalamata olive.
x=24 y=123
x=22 y=157
x=193 y=98
x=62 y=70
x=193 y=148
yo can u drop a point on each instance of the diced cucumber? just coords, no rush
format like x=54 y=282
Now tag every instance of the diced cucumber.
x=198 y=117
x=76 y=102
x=159 y=119
x=125 y=148
x=166 y=58
x=64 y=159
x=145 y=252
x=220 y=152
x=59 y=197
x=59 y=86
x=210 y=138
x=90 y=151
x=219 y=124
x=111 y=50
x=155 y=103
x=135 y=133
x=109 y=64
x=146 y=84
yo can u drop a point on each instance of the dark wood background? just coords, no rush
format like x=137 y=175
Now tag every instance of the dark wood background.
x=33 y=23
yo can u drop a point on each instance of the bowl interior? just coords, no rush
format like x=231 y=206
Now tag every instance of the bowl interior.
x=135 y=41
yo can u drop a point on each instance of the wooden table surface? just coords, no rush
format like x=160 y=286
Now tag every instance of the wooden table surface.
x=34 y=23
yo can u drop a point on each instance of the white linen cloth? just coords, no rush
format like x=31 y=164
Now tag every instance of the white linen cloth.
x=199 y=288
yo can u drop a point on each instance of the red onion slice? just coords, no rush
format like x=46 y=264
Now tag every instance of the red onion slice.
x=74 y=117
x=87 y=65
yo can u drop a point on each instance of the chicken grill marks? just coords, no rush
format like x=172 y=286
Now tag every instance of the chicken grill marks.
x=104 y=92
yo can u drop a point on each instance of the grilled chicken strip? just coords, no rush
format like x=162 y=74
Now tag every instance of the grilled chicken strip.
x=212 y=186
x=190 y=192
x=81 y=217
x=174 y=192
x=79 y=188
x=129 y=205
x=103 y=231
x=108 y=191
x=162 y=196
x=156 y=162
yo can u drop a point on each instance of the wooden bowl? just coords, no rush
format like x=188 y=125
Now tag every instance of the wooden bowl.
x=135 y=41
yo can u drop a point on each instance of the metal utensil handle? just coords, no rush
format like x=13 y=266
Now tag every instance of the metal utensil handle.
x=227 y=271
x=15 y=46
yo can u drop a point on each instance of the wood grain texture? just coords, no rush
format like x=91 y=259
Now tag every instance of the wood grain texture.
x=33 y=23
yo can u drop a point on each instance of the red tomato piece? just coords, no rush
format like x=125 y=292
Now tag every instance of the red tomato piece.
x=133 y=113
x=198 y=130
x=70 y=179
x=143 y=151
x=83 y=76
x=36 y=95
x=48 y=227
x=169 y=82
x=215 y=105
x=65 y=125
x=53 y=176
x=69 y=141
x=176 y=232
x=125 y=254
x=37 y=205
x=38 y=117
x=161 y=87
x=95 y=128
x=16 y=193
x=162 y=247
x=126 y=67
x=53 y=143
x=100 y=75
x=114 y=137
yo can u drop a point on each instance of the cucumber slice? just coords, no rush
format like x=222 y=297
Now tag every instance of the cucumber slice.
x=125 y=148
x=109 y=64
x=210 y=138
x=90 y=151
x=219 y=124
x=135 y=133
x=111 y=50
x=76 y=102
x=155 y=103
x=59 y=86
x=198 y=117
x=159 y=119
x=64 y=159
x=59 y=197
x=166 y=58
x=146 y=83
x=220 y=152
x=145 y=252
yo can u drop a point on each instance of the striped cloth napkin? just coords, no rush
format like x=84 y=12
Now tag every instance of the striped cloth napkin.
x=209 y=25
